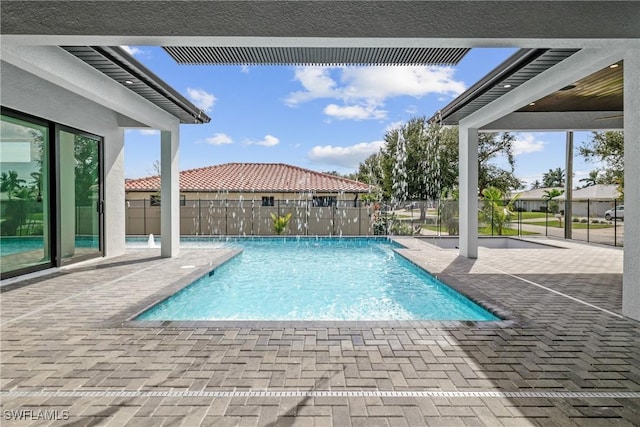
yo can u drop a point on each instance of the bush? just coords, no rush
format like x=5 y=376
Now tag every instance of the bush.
x=584 y=221
x=575 y=219
x=595 y=221
x=401 y=228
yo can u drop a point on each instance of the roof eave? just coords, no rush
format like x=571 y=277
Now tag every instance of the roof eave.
x=507 y=68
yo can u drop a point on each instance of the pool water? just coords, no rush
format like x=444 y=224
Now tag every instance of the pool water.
x=317 y=279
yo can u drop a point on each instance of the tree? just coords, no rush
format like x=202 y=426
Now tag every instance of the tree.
x=494 y=211
x=10 y=183
x=553 y=178
x=536 y=184
x=430 y=161
x=86 y=170
x=552 y=205
x=490 y=147
x=591 y=179
x=607 y=148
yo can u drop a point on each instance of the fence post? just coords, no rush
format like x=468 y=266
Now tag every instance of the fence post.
x=588 y=218
x=226 y=217
x=199 y=217
x=144 y=217
x=615 y=222
x=546 y=219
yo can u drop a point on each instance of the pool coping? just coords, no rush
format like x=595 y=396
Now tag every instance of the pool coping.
x=127 y=316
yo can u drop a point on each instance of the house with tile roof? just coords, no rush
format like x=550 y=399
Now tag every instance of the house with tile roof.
x=238 y=198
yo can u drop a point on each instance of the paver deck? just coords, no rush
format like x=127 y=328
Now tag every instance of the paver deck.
x=563 y=355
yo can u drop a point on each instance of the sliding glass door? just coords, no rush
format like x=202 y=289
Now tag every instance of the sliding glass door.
x=80 y=200
x=25 y=208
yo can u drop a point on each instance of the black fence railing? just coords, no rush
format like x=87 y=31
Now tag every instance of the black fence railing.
x=599 y=221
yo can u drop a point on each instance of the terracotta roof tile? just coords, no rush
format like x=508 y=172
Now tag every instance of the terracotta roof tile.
x=247 y=177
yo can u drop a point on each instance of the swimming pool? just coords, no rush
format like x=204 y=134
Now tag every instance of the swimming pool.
x=316 y=279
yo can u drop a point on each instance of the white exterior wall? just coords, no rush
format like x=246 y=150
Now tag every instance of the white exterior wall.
x=49 y=83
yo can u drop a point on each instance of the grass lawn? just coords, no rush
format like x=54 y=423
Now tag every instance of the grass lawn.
x=574 y=225
x=531 y=215
x=483 y=231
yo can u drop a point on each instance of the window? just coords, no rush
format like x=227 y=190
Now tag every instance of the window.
x=154 y=200
x=324 y=201
x=267 y=201
x=24 y=193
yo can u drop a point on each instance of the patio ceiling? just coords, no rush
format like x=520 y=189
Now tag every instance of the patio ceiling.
x=116 y=63
x=593 y=102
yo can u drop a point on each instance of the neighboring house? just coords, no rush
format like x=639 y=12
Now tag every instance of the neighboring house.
x=238 y=198
x=533 y=200
x=592 y=201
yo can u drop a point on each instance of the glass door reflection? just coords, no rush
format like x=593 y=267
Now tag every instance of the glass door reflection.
x=80 y=195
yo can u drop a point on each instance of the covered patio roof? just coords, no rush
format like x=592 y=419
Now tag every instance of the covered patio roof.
x=592 y=102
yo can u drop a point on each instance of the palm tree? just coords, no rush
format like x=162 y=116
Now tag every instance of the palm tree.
x=591 y=179
x=549 y=196
x=536 y=184
x=494 y=211
x=553 y=178
x=10 y=182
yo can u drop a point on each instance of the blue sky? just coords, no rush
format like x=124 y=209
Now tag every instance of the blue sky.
x=320 y=118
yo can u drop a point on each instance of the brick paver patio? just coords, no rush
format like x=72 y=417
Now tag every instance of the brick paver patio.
x=563 y=355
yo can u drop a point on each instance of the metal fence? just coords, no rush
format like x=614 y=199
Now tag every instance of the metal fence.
x=589 y=221
x=250 y=217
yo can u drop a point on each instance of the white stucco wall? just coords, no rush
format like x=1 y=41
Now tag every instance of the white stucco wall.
x=49 y=83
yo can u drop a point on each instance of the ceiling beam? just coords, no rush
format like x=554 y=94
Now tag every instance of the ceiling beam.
x=557 y=121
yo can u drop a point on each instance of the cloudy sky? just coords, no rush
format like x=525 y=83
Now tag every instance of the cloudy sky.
x=320 y=118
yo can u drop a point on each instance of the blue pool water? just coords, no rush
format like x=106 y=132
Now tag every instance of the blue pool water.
x=316 y=279
x=14 y=245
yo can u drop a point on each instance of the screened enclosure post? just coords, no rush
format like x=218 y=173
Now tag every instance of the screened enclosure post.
x=199 y=217
x=226 y=217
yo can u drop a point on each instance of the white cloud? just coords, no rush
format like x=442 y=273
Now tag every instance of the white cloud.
x=527 y=143
x=348 y=157
x=393 y=125
x=411 y=109
x=244 y=69
x=317 y=84
x=201 y=98
x=354 y=112
x=132 y=50
x=365 y=89
x=149 y=132
x=219 y=139
x=267 y=141
x=374 y=84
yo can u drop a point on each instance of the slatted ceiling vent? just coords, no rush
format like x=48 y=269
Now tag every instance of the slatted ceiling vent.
x=205 y=55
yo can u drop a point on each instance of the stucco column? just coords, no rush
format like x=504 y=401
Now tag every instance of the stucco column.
x=169 y=193
x=468 y=147
x=631 y=277
x=114 y=198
